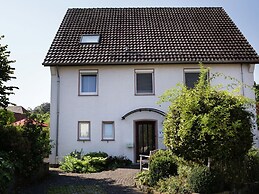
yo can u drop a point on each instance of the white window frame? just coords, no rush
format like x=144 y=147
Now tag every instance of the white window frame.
x=142 y=71
x=113 y=131
x=84 y=138
x=88 y=72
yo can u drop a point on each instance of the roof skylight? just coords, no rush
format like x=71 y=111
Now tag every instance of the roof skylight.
x=90 y=39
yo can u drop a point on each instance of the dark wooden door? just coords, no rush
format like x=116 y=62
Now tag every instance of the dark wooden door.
x=145 y=137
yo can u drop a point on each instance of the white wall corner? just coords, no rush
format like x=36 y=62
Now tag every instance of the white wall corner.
x=251 y=68
x=53 y=71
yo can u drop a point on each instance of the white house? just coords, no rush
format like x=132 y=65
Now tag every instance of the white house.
x=110 y=65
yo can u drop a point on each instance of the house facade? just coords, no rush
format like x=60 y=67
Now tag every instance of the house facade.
x=110 y=65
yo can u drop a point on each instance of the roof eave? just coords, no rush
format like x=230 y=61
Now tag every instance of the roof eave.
x=155 y=62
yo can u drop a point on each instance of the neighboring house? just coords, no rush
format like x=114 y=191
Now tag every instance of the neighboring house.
x=110 y=65
x=26 y=121
x=19 y=112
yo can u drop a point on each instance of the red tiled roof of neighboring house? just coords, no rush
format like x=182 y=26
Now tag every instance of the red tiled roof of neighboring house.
x=149 y=35
x=25 y=121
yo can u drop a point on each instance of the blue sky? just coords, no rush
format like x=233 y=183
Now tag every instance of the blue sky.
x=29 y=27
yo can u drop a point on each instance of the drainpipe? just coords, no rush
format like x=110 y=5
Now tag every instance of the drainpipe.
x=242 y=80
x=58 y=107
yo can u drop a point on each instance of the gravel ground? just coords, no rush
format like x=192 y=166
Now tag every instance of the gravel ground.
x=117 y=181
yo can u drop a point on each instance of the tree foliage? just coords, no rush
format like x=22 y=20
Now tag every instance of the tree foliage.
x=26 y=145
x=204 y=122
x=6 y=72
x=43 y=108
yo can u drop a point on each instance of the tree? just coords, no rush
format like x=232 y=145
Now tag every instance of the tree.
x=43 y=108
x=205 y=123
x=5 y=75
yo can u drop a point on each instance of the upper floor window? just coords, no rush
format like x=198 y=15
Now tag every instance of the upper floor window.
x=90 y=39
x=88 y=82
x=191 y=77
x=144 y=82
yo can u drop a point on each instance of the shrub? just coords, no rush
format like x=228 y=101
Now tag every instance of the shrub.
x=39 y=147
x=6 y=172
x=252 y=165
x=162 y=165
x=97 y=154
x=143 y=178
x=92 y=162
x=77 y=154
x=173 y=185
x=118 y=162
x=203 y=180
x=84 y=165
x=205 y=122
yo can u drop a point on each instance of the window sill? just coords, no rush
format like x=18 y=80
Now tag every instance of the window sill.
x=145 y=94
x=108 y=140
x=83 y=139
x=87 y=94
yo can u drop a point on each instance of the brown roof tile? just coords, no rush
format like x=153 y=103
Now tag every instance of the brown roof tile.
x=149 y=35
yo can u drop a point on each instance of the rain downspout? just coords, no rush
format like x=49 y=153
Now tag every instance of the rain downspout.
x=242 y=80
x=57 y=123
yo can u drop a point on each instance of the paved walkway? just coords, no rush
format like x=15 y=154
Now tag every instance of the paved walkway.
x=118 y=181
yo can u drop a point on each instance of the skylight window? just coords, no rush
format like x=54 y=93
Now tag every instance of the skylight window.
x=90 y=39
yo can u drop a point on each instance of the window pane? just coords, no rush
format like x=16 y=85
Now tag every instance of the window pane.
x=144 y=83
x=191 y=79
x=84 y=131
x=108 y=131
x=90 y=39
x=88 y=83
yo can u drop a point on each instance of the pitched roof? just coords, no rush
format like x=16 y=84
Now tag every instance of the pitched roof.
x=17 y=109
x=149 y=35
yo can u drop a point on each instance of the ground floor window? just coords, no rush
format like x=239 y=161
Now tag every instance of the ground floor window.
x=84 y=130
x=108 y=131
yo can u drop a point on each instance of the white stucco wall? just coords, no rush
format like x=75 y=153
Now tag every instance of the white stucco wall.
x=115 y=98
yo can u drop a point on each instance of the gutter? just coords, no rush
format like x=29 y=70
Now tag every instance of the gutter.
x=57 y=114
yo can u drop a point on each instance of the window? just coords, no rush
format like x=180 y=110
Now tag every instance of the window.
x=90 y=39
x=84 y=130
x=144 y=82
x=88 y=82
x=191 y=77
x=108 y=132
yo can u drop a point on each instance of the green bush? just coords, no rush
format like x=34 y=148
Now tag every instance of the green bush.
x=252 y=165
x=173 y=185
x=39 y=147
x=97 y=154
x=143 y=178
x=162 y=165
x=117 y=162
x=6 y=172
x=85 y=165
x=77 y=154
x=26 y=146
x=92 y=162
x=204 y=180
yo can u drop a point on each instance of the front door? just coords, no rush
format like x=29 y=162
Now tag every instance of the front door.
x=145 y=137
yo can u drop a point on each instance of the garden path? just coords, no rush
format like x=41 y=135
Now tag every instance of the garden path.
x=116 y=181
